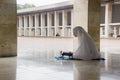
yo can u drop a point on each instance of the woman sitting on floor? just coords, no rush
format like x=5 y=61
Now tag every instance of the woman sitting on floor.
x=87 y=49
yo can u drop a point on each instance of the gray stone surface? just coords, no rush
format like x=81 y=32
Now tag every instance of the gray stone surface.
x=87 y=14
x=94 y=21
x=8 y=68
x=37 y=65
x=8 y=32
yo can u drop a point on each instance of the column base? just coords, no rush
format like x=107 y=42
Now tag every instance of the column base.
x=115 y=36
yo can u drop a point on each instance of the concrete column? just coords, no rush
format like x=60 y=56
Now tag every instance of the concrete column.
x=42 y=23
x=87 y=14
x=25 y=25
x=119 y=30
x=69 y=32
x=8 y=29
x=36 y=20
x=20 y=21
x=108 y=18
x=17 y=26
x=48 y=24
x=72 y=20
x=64 y=22
x=101 y=31
x=36 y=24
x=30 y=25
x=115 y=32
x=56 y=22
x=20 y=25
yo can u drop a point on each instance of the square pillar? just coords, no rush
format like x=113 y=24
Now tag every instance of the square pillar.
x=72 y=20
x=20 y=21
x=8 y=28
x=48 y=24
x=25 y=25
x=119 y=30
x=115 y=32
x=36 y=20
x=36 y=24
x=108 y=18
x=42 y=23
x=101 y=31
x=20 y=25
x=56 y=22
x=30 y=25
x=87 y=14
x=63 y=23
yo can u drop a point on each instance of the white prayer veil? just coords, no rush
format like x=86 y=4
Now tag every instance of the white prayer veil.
x=87 y=49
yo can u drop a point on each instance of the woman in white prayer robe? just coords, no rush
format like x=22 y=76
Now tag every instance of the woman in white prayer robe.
x=87 y=49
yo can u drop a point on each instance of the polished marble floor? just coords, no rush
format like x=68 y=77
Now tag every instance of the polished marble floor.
x=43 y=66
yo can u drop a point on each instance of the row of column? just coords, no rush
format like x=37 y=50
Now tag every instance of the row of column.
x=41 y=24
x=114 y=32
x=109 y=30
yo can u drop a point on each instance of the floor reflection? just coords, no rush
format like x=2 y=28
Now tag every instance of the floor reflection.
x=86 y=70
x=36 y=65
x=41 y=65
x=8 y=68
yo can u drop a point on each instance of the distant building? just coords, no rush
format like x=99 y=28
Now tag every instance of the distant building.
x=110 y=19
x=58 y=18
x=47 y=20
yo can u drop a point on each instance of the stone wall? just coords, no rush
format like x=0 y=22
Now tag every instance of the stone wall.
x=8 y=32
